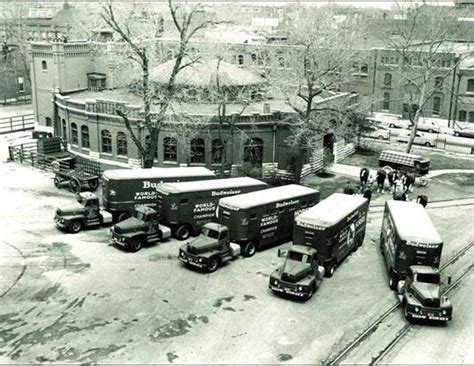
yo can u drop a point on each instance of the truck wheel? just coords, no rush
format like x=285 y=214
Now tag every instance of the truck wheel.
x=330 y=268
x=427 y=144
x=57 y=182
x=75 y=226
x=135 y=245
x=123 y=216
x=183 y=232
x=213 y=264
x=249 y=249
x=75 y=186
x=406 y=313
x=392 y=280
x=94 y=184
x=310 y=294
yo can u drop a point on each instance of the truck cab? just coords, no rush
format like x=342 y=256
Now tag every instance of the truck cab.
x=421 y=297
x=139 y=230
x=210 y=249
x=300 y=275
x=84 y=213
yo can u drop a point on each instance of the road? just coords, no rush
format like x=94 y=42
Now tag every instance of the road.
x=74 y=298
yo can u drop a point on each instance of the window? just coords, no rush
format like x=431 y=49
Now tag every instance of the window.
x=386 y=101
x=85 y=137
x=122 y=144
x=387 y=79
x=48 y=121
x=462 y=116
x=170 y=149
x=106 y=139
x=438 y=82
x=44 y=65
x=74 y=135
x=253 y=151
x=217 y=150
x=436 y=106
x=240 y=59
x=471 y=117
x=470 y=85
x=64 y=130
x=253 y=57
x=21 y=84
x=364 y=69
x=197 y=151
x=281 y=61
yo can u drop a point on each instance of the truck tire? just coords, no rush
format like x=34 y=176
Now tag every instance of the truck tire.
x=75 y=226
x=249 y=249
x=183 y=232
x=135 y=245
x=123 y=216
x=392 y=280
x=329 y=269
x=93 y=184
x=406 y=313
x=213 y=264
x=310 y=293
x=75 y=186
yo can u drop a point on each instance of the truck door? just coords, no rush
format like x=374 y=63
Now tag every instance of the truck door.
x=152 y=224
x=92 y=212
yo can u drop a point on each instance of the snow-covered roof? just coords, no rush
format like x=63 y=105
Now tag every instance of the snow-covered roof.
x=208 y=185
x=413 y=223
x=331 y=210
x=277 y=194
x=157 y=173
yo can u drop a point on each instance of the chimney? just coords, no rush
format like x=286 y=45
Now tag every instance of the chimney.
x=266 y=107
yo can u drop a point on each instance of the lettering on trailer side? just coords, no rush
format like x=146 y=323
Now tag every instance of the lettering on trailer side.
x=148 y=184
x=286 y=203
x=268 y=225
x=422 y=245
x=225 y=193
x=145 y=195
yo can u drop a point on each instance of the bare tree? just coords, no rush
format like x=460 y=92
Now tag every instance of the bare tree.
x=426 y=60
x=182 y=17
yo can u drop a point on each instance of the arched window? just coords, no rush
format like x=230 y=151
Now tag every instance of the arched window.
x=170 y=149
x=85 y=137
x=386 y=101
x=106 y=139
x=387 y=79
x=217 y=151
x=470 y=85
x=253 y=151
x=471 y=117
x=64 y=130
x=197 y=151
x=436 y=106
x=122 y=144
x=44 y=65
x=364 y=69
x=253 y=57
x=462 y=116
x=240 y=59
x=281 y=61
x=74 y=134
x=438 y=82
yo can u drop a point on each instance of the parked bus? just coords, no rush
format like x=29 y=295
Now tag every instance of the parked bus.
x=125 y=189
x=265 y=217
x=408 y=238
x=185 y=207
x=334 y=227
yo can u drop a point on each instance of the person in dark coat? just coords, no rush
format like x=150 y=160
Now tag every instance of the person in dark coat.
x=399 y=195
x=364 y=176
x=380 y=180
x=367 y=193
x=422 y=200
x=349 y=188
x=408 y=183
x=391 y=179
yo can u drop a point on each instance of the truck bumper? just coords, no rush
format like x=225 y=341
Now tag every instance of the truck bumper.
x=287 y=291
x=116 y=241
x=193 y=262
x=429 y=316
x=60 y=225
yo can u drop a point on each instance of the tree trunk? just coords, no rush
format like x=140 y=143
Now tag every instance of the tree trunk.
x=414 y=128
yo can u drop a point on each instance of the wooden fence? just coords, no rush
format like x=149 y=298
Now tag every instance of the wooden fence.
x=17 y=123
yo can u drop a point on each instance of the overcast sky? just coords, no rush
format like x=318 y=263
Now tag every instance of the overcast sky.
x=357 y=3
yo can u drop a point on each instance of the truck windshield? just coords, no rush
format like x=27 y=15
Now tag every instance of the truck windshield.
x=428 y=278
x=139 y=215
x=299 y=257
x=210 y=233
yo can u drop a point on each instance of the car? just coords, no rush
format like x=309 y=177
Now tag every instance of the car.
x=390 y=121
x=466 y=132
x=381 y=133
x=428 y=126
x=421 y=138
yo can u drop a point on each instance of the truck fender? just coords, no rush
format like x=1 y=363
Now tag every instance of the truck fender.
x=106 y=217
x=235 y=249
x=80 y=218
x=165 y=232
x=401 y=287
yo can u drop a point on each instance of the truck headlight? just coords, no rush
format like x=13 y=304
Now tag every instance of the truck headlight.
x=416 y=309
x=200 y=260
x=443 y=312
x=275 y=282
x=181 y=253
x=300 y=288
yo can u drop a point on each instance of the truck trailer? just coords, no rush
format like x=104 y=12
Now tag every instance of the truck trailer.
x=185 y=207
x=125 y=189
x=335 y=227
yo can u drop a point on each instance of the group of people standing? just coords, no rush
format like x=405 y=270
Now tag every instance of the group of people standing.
x=399 y=184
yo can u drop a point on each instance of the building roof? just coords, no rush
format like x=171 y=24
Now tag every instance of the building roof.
x=331 y=210
x=209 y=185
x=204 y=73
x=467 y=63
x=413 y=223
x=153 y=173
x=263 y=197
